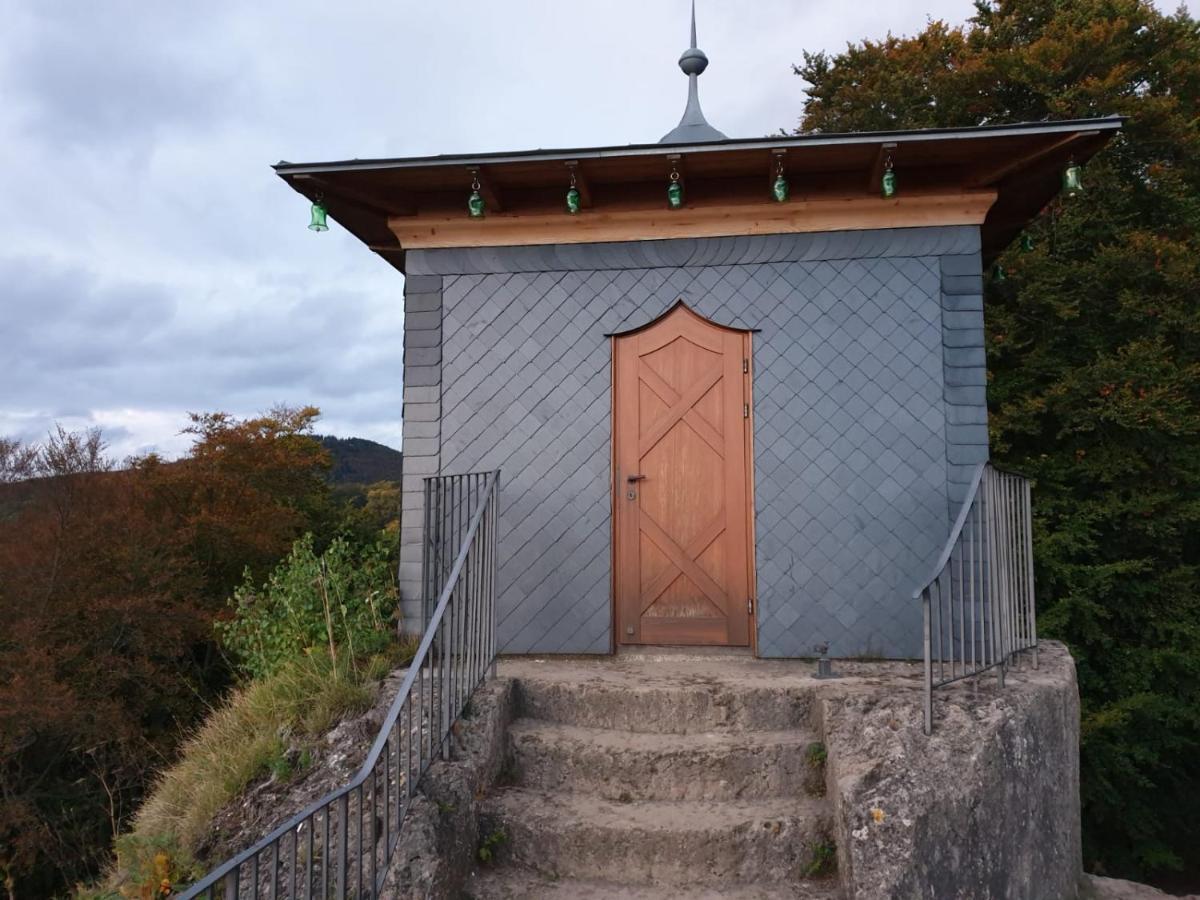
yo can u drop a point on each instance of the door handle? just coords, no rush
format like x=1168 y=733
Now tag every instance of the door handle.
x=635 y=478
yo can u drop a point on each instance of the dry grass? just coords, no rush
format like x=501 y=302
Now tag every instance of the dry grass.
x=245 y=738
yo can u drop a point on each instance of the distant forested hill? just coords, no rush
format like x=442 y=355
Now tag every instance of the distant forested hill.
x=359 y=461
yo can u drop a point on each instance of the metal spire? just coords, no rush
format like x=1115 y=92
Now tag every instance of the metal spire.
x=693 y=126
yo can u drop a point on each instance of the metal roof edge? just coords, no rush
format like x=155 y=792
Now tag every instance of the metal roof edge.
x=815 y=139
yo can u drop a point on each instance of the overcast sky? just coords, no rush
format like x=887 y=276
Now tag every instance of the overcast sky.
x=150 y=261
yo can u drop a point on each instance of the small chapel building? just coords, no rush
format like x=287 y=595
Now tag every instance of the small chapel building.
x=736 y=388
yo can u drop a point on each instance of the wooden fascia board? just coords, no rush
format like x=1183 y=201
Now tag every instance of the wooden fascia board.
x=724 y=220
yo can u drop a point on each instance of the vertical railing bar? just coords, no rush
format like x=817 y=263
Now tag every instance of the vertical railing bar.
x=1010 y=540
x=254 y=876
x=325 y=856
x=1026 y=593
x=1008 y=567
x=343 y=827
x=928 y=663
x=387 y=800
x=1033 y=639
x=994 y=520
x=308 y=861
x=968 y=530
x=373 y=823
x=358 y=856
x=962 y=646
x=941 y=653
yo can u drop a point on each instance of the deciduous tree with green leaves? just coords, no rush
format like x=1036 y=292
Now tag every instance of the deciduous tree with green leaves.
x=1094 y=370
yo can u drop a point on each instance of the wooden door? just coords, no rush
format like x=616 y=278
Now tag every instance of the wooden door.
x=681 y=483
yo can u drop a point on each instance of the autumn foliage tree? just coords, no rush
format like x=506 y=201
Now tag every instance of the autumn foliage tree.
x=110 y=582
x=1094 y=363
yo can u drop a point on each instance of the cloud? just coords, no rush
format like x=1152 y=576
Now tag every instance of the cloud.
x=150 y=261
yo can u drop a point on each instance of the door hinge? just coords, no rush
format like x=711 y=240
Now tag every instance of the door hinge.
x=750 y=606
x=745 y=410
x=746 y=366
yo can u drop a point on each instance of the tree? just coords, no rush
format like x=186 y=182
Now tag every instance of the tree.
x=110 y=583
x=1094 y=364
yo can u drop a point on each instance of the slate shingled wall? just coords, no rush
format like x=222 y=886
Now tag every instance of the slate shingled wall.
x=868 y=378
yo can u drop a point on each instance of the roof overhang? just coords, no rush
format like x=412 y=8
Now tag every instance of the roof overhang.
x=996 y=176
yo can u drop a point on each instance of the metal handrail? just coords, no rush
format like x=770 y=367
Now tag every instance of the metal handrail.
x=341 y=846
x=978 y=604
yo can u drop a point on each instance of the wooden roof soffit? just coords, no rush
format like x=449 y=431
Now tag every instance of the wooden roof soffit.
x=1025 y=160
x=312 y=185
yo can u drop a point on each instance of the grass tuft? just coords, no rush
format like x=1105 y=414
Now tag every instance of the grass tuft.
x=250 y=735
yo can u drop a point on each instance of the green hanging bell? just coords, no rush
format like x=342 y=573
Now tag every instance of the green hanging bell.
x=1027 y=243
x=675 y=192
x=573 y=200
x=779 y=190
x=998 y=274
x=887 y=185
x=475 y=205
x=1072 y=180
x=317 y=222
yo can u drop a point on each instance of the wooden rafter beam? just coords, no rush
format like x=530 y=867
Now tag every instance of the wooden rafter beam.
x=341 y=193
x=491 y=196
x=885 y=150
x=581 y=183
x=996 y=173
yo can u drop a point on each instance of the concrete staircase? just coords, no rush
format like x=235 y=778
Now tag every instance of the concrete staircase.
x=627 y=782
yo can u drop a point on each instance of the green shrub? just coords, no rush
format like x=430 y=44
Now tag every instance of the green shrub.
x=342 y=601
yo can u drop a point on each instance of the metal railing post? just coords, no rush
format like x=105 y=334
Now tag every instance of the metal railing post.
x=928 y=665
x=1031 y=596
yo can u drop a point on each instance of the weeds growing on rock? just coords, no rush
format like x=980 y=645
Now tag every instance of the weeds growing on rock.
x=824 y=860
x=490 y=844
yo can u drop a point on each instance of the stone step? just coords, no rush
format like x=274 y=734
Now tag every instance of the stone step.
x=673 y=843
x=672 y=706
x=624 y=765
x=511 y=883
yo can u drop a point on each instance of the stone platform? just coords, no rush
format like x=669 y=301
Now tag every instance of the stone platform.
x=685 y=774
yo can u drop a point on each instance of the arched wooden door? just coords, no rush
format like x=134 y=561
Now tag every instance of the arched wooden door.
x=682 y=483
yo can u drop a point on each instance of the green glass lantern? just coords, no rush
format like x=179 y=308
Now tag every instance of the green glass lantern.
x=887 y=184
x=779 y=190
x=574 y=201
x=1026 y=243
x=475 y=205
x=319 y=212
x=998 y=274
x=675 y=192
x=1072 y=180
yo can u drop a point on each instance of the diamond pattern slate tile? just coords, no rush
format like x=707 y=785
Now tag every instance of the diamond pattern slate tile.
x=850 y=377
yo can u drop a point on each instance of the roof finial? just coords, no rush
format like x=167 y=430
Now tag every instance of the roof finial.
x=693 y=126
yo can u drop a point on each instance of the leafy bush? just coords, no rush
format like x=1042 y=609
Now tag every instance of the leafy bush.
x=342 y=600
